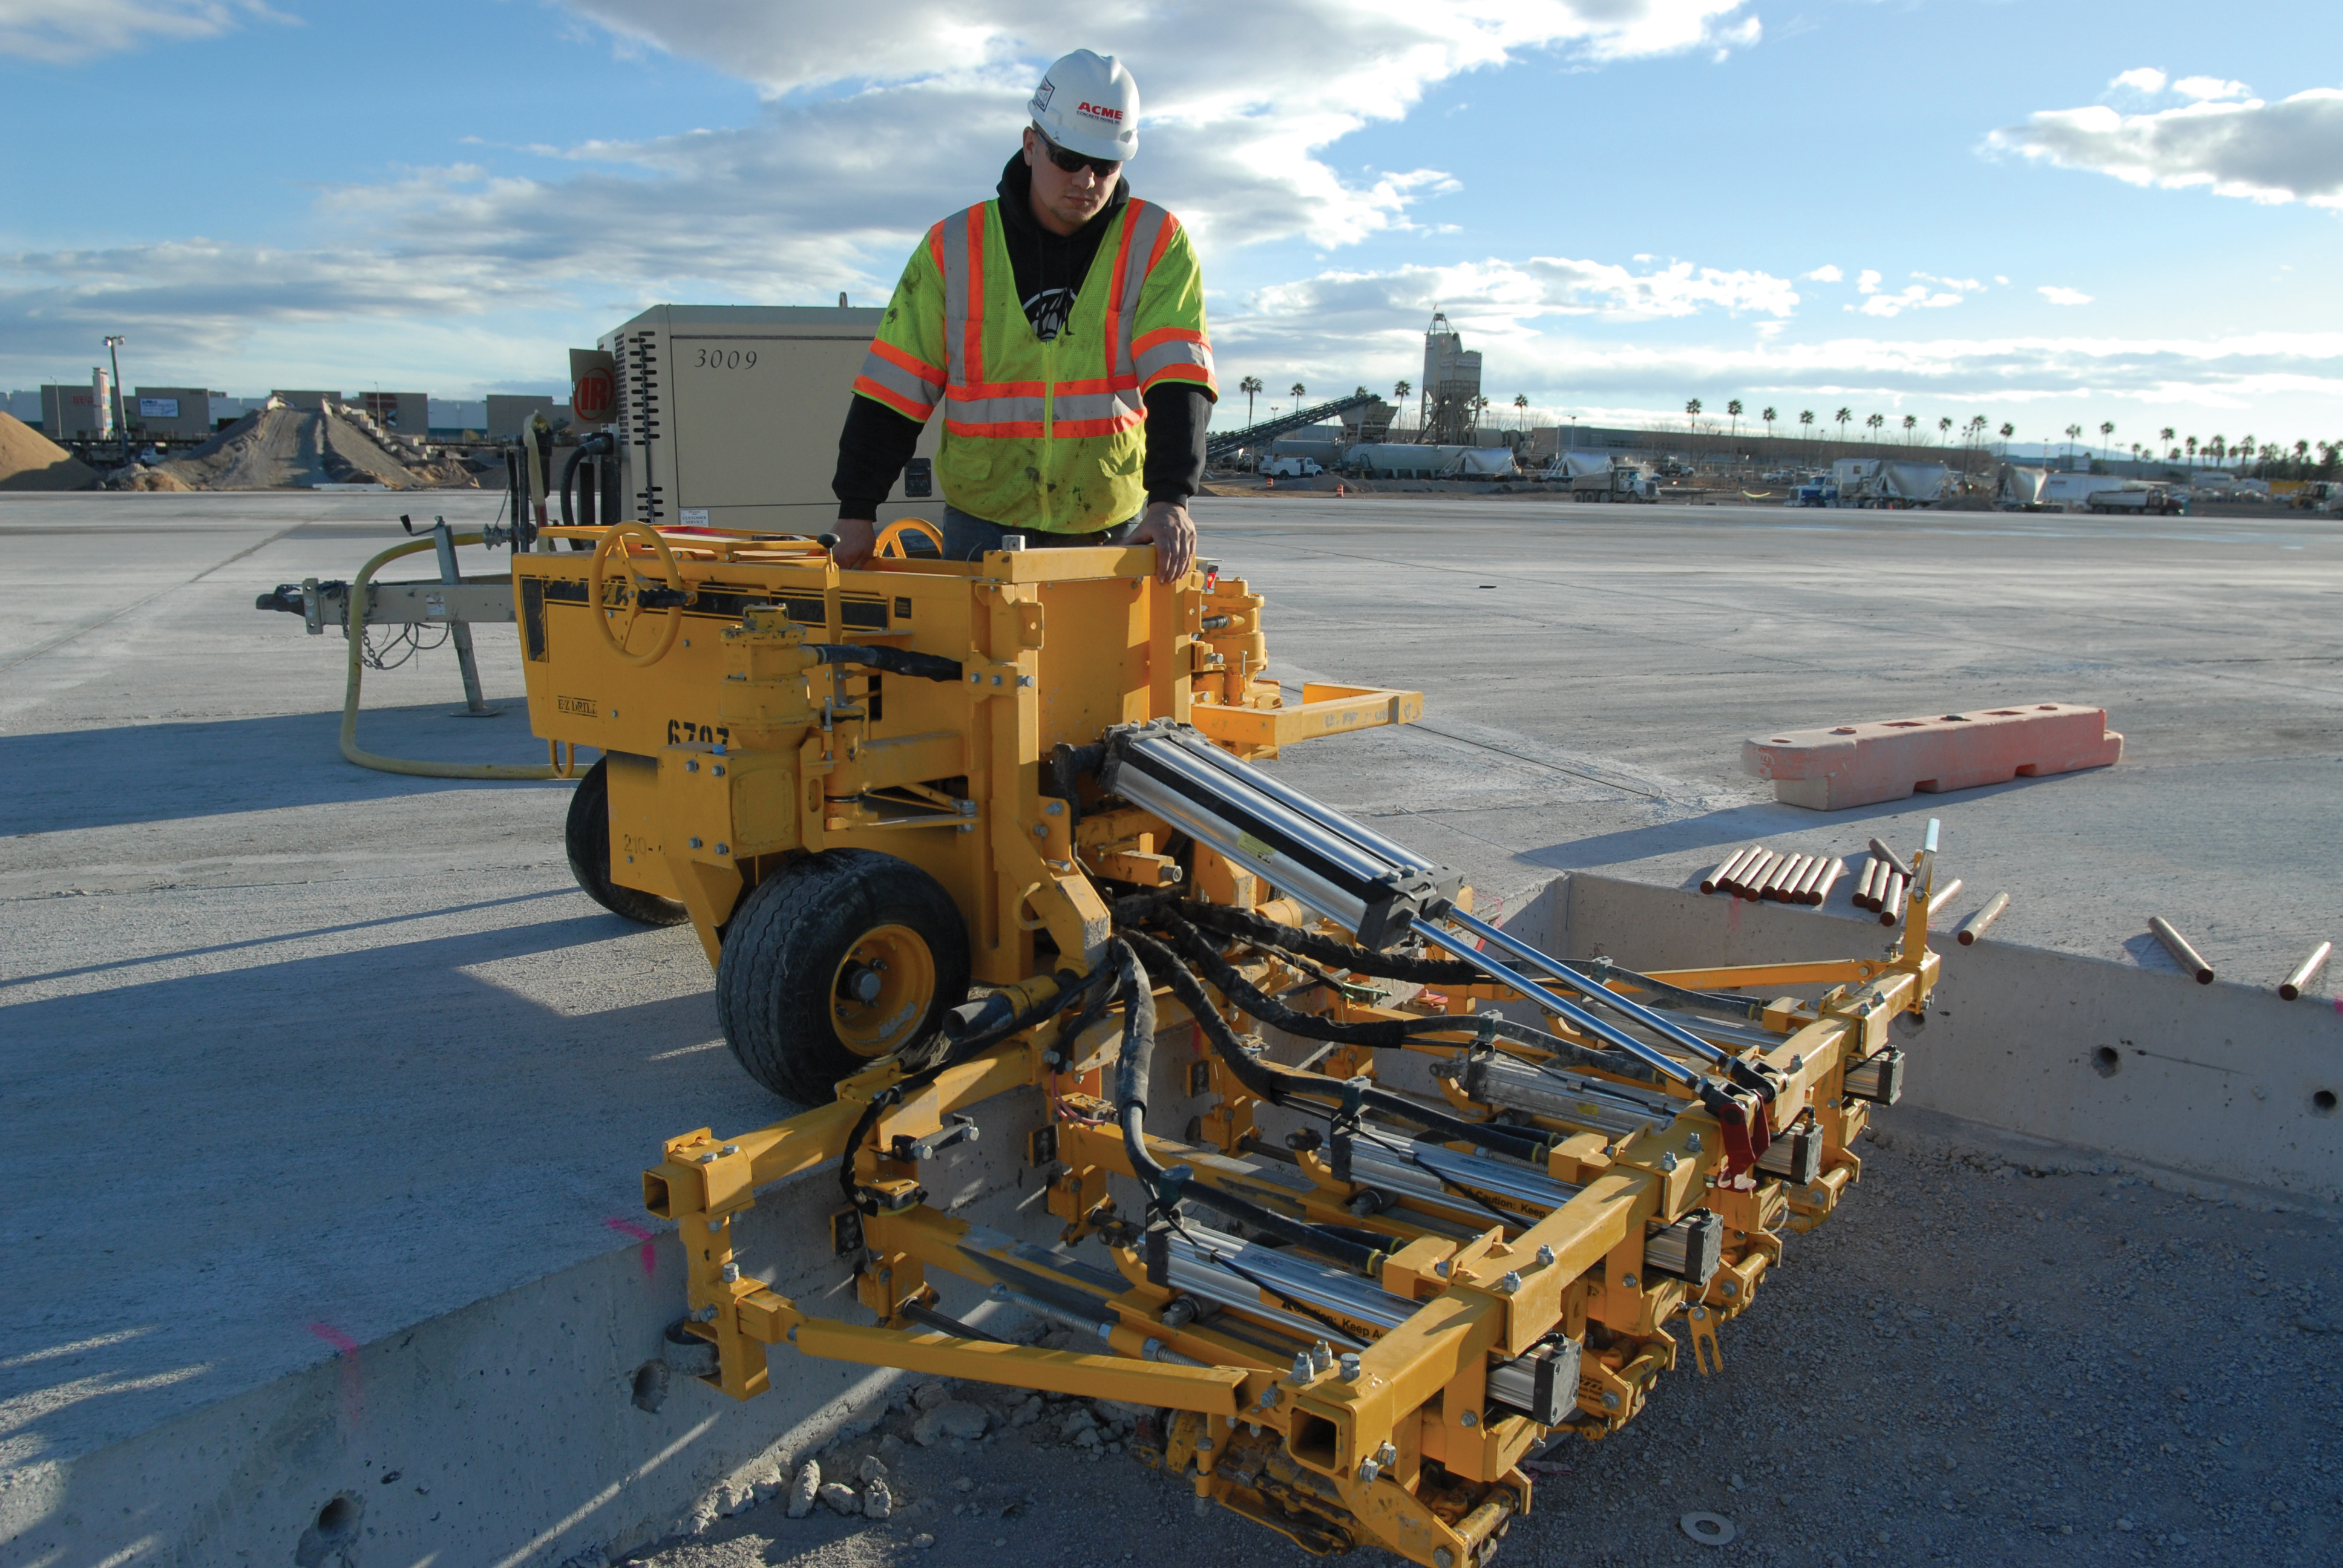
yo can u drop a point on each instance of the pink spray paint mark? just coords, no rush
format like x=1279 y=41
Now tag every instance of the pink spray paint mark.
x=628 y=1228
x=345 y=1349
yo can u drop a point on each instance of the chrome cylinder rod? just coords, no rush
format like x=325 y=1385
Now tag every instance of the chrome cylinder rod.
x=1595 y=993
x=1657 y=1060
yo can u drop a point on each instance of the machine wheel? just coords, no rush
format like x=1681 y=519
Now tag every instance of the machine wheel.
x=586 y=836
x=834 y=961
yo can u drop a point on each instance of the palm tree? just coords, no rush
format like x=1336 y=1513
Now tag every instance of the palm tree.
x=1909 y=421
x=1298 y=390
x=2216 y=449
x=1843 y=415
x=1251 y=387
x=2192 y=451
x=2302 y=451
x=2135 y=451
x=1769 y=416
x=2008 y=430
x=2245 y=448
x=1975 y=428
x=1691 y=415
x=2108 y=431
x=1944 y=431
x=1806 y=418
x=1522 y=409
x=1480 y=405
x=1872 y=425
x=2074 y=433
x=1734 y=409
x=2164 y=435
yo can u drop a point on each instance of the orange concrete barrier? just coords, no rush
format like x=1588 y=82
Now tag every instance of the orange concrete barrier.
x=1860 y=764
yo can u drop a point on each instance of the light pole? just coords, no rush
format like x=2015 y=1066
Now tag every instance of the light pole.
x=121 y=424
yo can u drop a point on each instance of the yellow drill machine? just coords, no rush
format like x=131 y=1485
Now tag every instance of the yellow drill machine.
x=954 y=830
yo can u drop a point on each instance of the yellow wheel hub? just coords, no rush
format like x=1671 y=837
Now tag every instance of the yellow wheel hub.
x=882 y=990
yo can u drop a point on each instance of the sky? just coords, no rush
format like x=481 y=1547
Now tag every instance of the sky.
x=2041 y=214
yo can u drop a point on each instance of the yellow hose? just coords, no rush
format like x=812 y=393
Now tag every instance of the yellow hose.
x=356 y=631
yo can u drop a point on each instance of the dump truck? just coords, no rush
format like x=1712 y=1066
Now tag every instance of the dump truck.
x=1593 y=476
x=995 y=841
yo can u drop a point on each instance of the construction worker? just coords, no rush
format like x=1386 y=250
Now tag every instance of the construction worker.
x=1062 y=327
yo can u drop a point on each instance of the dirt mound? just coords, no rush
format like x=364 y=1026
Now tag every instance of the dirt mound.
x=134 y=477
x=281 y=449
x=31 y=461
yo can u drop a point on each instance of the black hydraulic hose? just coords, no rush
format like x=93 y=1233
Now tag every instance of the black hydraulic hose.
x=1260 y=931
x=894 y=660
x=1269 y=1081
x=1168 y=1187
x=961 y=1050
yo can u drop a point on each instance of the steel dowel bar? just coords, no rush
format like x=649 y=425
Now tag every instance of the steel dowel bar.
x=1658 y=1060
x=1595 y=993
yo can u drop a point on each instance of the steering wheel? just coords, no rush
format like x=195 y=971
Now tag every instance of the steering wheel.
x=613 y=546
x=892 y=533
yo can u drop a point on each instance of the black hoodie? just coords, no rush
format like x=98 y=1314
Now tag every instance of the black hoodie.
x=1049 y=271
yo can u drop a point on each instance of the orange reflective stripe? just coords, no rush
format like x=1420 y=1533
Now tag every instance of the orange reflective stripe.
x=911 y=362
x=997 y=432
x=1166 y=335
x=906 y=406
x=972 y=350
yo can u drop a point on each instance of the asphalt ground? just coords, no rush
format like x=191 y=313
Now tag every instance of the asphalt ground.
x=291 y=1022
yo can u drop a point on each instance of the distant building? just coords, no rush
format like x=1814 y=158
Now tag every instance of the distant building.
x=180 y=412
x=307 y=402
x=69 y=412
x=408 y=413
x=451 y=415
x=508 y=411
x=26 y=407
x=227 y=410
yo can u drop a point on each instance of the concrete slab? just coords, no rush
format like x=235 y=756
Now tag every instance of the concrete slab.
x=310 y=1063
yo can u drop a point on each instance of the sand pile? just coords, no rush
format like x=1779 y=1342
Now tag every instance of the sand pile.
x=31 y=461
x=281 y=448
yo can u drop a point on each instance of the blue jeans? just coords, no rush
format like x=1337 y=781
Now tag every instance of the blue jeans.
x=967 y=537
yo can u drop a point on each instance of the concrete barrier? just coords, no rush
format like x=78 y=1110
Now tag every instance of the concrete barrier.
x=1863 y=764
x=2221 y=1081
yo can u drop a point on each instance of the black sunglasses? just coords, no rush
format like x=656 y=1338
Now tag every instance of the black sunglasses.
x=1073 y=162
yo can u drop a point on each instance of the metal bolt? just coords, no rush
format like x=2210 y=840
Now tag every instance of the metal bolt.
x=1040 y=829
x=1468 y=1419
x=1024 y=680
x=1797 y=1064
x=708 y=1160
x=1668 y=1160
x=1511 y=1282
x=996 y=681
x=1442 y=1558
x=1610 y=1402
x=1351 y=1372
x=731 y=1149
x=732 y=1272
x=694 y=843
x=1545 y=1256
x=1301 y=1366
x=1321 y=1356
x=716 y=1223
x=723 y=849
x=1368 y=1470
x=1441 y=1267
x=975 y=679
x=1054 y=807
x=1387 y=1456
x=1628 y=1280
x=1203 y=1445
x=718 y=770
x=1692 y=1143
x=692 y=766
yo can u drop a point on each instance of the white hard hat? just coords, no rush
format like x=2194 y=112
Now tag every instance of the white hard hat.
x=1089 y=103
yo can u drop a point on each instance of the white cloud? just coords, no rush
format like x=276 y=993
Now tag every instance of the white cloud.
x=1500 y=297
x=1826 y=273
x=1868 y=283
x=2058 y=295
x=1918 y=296
x=1961 y=285
x=2140 y=79
x=2206 y=87
x=59 y=34
x=2291 y=150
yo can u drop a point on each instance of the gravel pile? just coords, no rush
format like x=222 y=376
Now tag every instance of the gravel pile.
x=1973 y=1362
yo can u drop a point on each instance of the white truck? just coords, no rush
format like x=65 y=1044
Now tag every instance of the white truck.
x=1593 y=476
x=1886 y=482
x=2145 y=500
x=1289 y=466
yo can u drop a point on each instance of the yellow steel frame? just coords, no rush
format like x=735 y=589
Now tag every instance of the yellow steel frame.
x=738 y=748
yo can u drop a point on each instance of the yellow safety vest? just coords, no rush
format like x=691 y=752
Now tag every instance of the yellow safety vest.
x=1046 y=437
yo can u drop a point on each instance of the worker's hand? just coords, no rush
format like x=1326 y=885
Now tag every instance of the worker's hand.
x=1167 y=527
x=856 y=536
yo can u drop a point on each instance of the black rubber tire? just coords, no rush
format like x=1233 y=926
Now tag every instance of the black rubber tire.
x=586 y=836
x=785 y=945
